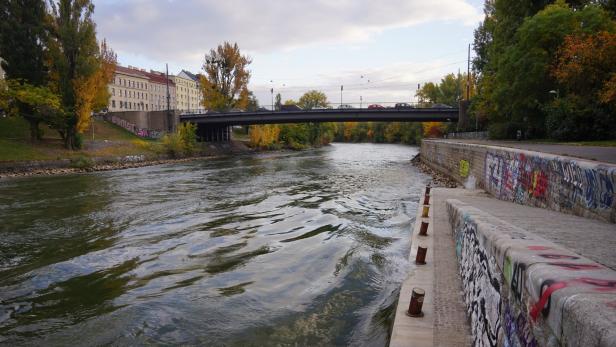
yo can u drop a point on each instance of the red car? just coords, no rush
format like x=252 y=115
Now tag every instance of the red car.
x=375 y=106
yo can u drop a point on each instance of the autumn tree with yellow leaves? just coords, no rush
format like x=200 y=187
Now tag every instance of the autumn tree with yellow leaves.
x=225 y=82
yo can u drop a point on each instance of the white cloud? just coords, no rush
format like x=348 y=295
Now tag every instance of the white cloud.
x=181 y=30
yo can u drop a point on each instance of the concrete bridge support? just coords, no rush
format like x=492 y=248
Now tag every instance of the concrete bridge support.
x=213 y=133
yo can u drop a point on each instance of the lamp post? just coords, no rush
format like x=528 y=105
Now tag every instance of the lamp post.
x=341 y=89
x=556 y=92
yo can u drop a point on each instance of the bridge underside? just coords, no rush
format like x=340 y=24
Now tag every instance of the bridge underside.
x=214 y=127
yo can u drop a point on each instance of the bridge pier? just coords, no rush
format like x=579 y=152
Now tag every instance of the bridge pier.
x=213 y=133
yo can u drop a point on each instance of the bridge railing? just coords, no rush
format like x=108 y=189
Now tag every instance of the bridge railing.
x=331 y=106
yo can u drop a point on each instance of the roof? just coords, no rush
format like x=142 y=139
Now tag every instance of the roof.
x=153 y=77
x=191 y=75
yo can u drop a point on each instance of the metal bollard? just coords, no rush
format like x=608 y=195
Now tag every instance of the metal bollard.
x=417 y=298
x=425 y=211
x=428 y=189
x=420 y=258
x=423 y=230
x=427 y=199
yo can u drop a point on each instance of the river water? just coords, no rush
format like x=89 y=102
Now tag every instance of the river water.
x=290 y=248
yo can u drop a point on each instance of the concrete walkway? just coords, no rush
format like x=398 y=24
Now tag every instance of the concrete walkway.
x=596 y=153
x=445 y=322
x=590 y=238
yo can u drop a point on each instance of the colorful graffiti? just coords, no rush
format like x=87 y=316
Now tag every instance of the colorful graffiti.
x=513 y=285
x=482 y=284
x=145 y=133
x=518 y=330
x=548 y=181
x=464 y=168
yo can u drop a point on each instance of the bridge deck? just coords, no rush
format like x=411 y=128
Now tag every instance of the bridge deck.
x=316 y=116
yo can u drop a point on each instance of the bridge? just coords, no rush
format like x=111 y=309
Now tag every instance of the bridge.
x=213 y=126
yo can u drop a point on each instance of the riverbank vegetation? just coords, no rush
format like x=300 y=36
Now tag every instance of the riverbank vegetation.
x=546 y=70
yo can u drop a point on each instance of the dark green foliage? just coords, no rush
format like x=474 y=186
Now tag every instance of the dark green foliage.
x=22 y=38
x=516 y=48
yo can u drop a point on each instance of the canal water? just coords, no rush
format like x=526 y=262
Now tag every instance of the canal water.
x=289 y=248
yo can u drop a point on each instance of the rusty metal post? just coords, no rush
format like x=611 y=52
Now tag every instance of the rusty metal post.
x=417 y=298
x=425 y=211
x=427 y=199
x=420 y=258
x=423 y=230
x=428 y=189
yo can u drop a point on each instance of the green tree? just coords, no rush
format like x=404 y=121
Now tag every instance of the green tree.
x=278 y=103
x=313 y=99
x=22 y=39
x=74 y=60
x=38 y=103
x=522 y=78
x=225 y=82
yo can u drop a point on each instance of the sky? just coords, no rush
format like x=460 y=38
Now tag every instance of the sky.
x=378 y=50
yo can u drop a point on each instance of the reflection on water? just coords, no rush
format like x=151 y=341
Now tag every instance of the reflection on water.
x=304 y=248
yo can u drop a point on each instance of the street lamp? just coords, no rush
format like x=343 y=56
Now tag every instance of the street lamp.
x=341 y=89
x=555 y=92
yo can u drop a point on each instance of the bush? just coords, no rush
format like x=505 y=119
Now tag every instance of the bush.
x=82 y=163
x=181 y=143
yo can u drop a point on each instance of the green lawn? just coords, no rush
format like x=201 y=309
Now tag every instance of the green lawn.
x=109 y=140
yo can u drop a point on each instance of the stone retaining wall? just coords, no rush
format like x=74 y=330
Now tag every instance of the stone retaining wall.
x=522 y=290
x=581 y=187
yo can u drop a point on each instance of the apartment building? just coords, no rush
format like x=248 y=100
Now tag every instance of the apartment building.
x=134 y=89
x=158 y=91
x=187 y=91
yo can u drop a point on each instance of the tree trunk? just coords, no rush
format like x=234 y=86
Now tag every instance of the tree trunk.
x=35 y=134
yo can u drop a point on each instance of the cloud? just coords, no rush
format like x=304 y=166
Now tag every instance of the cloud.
x=183 y=30
x=384 y=85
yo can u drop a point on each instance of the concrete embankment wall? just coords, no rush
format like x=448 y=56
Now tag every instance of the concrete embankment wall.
x=522 y=290
x=581 y=187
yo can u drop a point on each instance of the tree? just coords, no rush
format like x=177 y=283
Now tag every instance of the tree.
x=313 y=99
x=586 y=75
x=74 y=60
x=278 y=103
x=104 y=76
x=225 y=82
x=35 y=103
x=22 y=38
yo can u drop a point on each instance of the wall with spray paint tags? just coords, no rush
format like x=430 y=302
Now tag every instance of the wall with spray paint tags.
x=564 y=184
x=522 y=290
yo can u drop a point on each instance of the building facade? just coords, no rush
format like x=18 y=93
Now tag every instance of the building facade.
x=134 y=89
x=187 y=91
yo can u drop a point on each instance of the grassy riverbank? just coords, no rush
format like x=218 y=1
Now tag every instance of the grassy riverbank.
x=105 y=140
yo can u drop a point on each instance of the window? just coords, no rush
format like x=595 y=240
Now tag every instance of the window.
x=113 y=103
x=113 y=91
x=125 y=93
x=146 y=107
x=121 y=104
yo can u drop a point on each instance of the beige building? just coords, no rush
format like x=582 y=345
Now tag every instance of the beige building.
x=187 y=91
x=158 y=91
x=135 y=89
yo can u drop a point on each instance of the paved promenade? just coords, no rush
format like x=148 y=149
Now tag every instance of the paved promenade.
x=596 y=153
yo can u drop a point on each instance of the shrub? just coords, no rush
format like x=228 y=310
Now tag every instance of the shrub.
x=181 y=143
x=82 y=162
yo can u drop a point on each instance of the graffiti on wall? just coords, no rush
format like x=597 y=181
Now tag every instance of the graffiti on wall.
x=482 y=285
x=543 y=181
x=518 y=330
x=145 y=133
x=464 y=168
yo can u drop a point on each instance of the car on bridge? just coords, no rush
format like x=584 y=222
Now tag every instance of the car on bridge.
x=375 y=107
x=344 y=106
x=403 y=106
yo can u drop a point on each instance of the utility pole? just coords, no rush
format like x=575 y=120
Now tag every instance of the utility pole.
x=361 y=102
x=272 y=90
x=169 y=126
x=468 y=74
x=341 y=89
